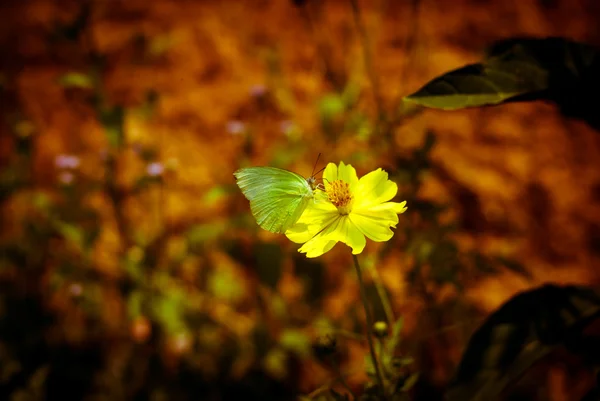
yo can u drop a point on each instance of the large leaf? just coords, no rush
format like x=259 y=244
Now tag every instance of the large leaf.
x=515 y=69
x=522 y=331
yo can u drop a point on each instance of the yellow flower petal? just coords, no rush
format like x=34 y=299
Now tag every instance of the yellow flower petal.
x=327 y=220
x=317 y=215
x=347 y=173
x=344 y=172
x=374 y=188
x=393 y=206
x=316 y=247
x=346 y=231
x=355 y=239
x=320 y=243
x=375 y=225
x=341 y=230
x=330 y=174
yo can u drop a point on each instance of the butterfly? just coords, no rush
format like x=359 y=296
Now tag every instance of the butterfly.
x=277 y=197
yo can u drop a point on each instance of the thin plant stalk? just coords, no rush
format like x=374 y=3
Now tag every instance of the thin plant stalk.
x=356 y=14
x=369 y=317
x=341 y=379
x=385 y=300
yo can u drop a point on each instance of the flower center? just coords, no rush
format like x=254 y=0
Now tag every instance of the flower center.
x=339 y=194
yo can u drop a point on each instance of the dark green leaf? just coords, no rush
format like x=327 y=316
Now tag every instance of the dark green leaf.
x=410 y=382
x=394 y=340
x=538 y=68
x=592 y=395
x=518 y=334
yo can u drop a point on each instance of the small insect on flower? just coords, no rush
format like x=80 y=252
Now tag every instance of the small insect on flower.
x=348 y=210
x=277 y=197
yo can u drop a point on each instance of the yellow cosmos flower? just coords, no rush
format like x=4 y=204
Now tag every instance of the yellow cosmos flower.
x=348 y=210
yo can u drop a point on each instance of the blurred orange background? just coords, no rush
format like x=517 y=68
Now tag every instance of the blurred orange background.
x=122 y=124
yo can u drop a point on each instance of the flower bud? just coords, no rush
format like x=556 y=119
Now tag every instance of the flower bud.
x=380 y=329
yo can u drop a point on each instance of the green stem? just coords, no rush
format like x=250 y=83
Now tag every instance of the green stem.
x=341 y=379
x=385 y=300
x=369 y=317
x=368 y=58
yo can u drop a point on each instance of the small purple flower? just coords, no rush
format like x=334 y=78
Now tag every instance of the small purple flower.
x=75 y=289
x=287 y=126
x=235 y=127
x=66 y=177
x=66 y=161
x=258 y=90
x=181 y=342
x=155 y=169
x=104 y=154
x=137 y=148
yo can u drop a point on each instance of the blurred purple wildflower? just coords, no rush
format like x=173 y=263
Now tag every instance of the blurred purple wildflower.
x=66 y=161
x=104 y=154
x=235 y=127
x=258 y=90
x=286 y=126
x=137 y=148
x=66 y=177
x=155 y=169
x=181 y=342
x=75 y=289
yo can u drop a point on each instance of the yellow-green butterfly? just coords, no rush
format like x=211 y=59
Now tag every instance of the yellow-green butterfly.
x=277 y=197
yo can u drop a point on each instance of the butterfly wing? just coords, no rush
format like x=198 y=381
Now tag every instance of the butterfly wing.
x=277 y=197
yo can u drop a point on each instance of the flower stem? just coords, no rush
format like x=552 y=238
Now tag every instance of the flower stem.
x=385 y=300
x=363 y=295
x=356 y=14
x=341 y=379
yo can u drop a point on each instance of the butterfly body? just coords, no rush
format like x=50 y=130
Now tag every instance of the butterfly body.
x=277 y=197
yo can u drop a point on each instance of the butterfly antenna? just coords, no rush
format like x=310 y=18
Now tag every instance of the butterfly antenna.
x=315 y=166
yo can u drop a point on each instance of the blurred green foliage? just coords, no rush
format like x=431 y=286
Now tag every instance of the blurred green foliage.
x=194 y=312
